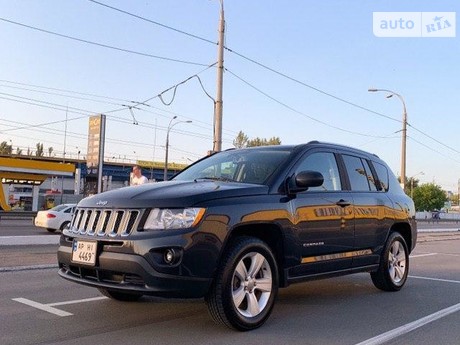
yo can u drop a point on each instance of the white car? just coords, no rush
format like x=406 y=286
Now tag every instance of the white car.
x=56 y=218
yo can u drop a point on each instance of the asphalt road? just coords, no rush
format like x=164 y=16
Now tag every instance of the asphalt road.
x=38 y=307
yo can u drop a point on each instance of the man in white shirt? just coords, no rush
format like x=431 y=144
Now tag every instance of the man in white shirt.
x=138 y=178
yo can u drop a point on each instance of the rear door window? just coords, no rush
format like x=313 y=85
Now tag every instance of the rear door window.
x=359 y=178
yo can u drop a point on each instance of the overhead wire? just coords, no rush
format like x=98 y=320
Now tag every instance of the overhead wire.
x=231 y=51
x=102 y=44
x=299 y=112
x=65 y=90
x=284 y=75
x=59 y=94
x=153 y=22
x=432 y=149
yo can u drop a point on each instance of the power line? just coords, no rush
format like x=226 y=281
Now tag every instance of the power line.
x=86 y=113
x=276 y=72
x=436 y=140
x=59 y=94
x=430 y=148
x=311 y=87
x=102 y=44
x=153 y=22
x=174 y=87
x=47 y=103
x=299 y=112
x=65 y=90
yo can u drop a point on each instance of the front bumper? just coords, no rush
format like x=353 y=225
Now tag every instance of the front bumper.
x=129 y=272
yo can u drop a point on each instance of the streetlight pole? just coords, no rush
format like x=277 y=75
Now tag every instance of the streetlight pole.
x=404 y=133
x=171 y=125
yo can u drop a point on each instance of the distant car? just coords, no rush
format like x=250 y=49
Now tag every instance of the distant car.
x=57 y=218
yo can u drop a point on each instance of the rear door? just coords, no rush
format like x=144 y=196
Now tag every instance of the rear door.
x=370 y=208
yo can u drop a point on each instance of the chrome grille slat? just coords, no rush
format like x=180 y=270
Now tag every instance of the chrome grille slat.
x=106 y=222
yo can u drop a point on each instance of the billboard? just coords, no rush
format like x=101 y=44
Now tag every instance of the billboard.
x=95 y=154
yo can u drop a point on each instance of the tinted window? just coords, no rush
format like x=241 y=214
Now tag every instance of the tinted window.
x=325 y=163
x=370 y=177
x=382 y=175
x=356 y=173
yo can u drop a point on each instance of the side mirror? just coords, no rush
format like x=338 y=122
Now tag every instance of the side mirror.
x=304 y=180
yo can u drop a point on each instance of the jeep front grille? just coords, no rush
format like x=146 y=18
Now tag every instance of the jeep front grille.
x=105 y=222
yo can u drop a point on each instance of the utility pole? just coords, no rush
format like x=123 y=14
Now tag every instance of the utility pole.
x=220 y=79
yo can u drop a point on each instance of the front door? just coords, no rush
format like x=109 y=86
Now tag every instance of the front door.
x=324 y=217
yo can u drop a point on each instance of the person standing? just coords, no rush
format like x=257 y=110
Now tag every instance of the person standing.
x=138 y=178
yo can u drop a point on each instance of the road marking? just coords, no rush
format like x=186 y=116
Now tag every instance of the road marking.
x=437 y=279
x=43 y=307
x=422 y=255
x=50 y=306
x=78 y=301
x=397 y=332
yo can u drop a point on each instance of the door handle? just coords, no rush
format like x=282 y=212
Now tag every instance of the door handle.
x=343 y=203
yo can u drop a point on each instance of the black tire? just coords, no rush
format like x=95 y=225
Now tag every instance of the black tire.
x=244 y=304
x=394 y=264
x=64 y=225
x=120 y=296
x=51 y=230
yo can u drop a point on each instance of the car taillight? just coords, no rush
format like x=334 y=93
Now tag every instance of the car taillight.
x=50 y=215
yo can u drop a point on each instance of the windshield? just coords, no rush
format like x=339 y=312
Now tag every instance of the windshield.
x=247 y=166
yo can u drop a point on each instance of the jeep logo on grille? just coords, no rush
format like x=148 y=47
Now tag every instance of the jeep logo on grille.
x=101 y=203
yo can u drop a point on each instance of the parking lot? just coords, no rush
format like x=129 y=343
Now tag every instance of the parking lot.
x=38 y=307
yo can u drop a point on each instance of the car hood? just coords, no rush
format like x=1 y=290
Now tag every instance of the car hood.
x=171 y=194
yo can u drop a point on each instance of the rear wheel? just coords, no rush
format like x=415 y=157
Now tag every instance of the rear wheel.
x=394 y=264
x=244 y=291
x=51 y=230
x=120 y=296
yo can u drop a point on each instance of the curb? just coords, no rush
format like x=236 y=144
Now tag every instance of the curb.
x=28 y=240
x=27 y=268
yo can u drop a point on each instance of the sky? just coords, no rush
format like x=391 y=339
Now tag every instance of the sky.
x=297 y=70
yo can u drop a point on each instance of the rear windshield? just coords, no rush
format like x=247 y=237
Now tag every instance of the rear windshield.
x=246 y=166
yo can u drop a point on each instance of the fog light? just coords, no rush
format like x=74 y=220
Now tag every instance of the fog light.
x=169 y=256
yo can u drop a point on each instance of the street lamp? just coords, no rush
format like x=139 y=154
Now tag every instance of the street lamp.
x=171 y=125
x=404 y=133
x=412 y=183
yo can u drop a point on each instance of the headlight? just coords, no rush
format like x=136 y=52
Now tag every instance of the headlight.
x=183 y=218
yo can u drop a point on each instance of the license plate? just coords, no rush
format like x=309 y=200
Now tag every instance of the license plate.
x=84 y=252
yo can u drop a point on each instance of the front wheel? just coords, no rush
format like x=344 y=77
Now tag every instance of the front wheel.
x=394 y=264
x=244 y=291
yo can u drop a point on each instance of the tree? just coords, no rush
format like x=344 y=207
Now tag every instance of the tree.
x=264 y=142
x=50 y=150
x=18 y=151
x=39 y=152
x=241 y=140
x=5 y=149
x=429 y=197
